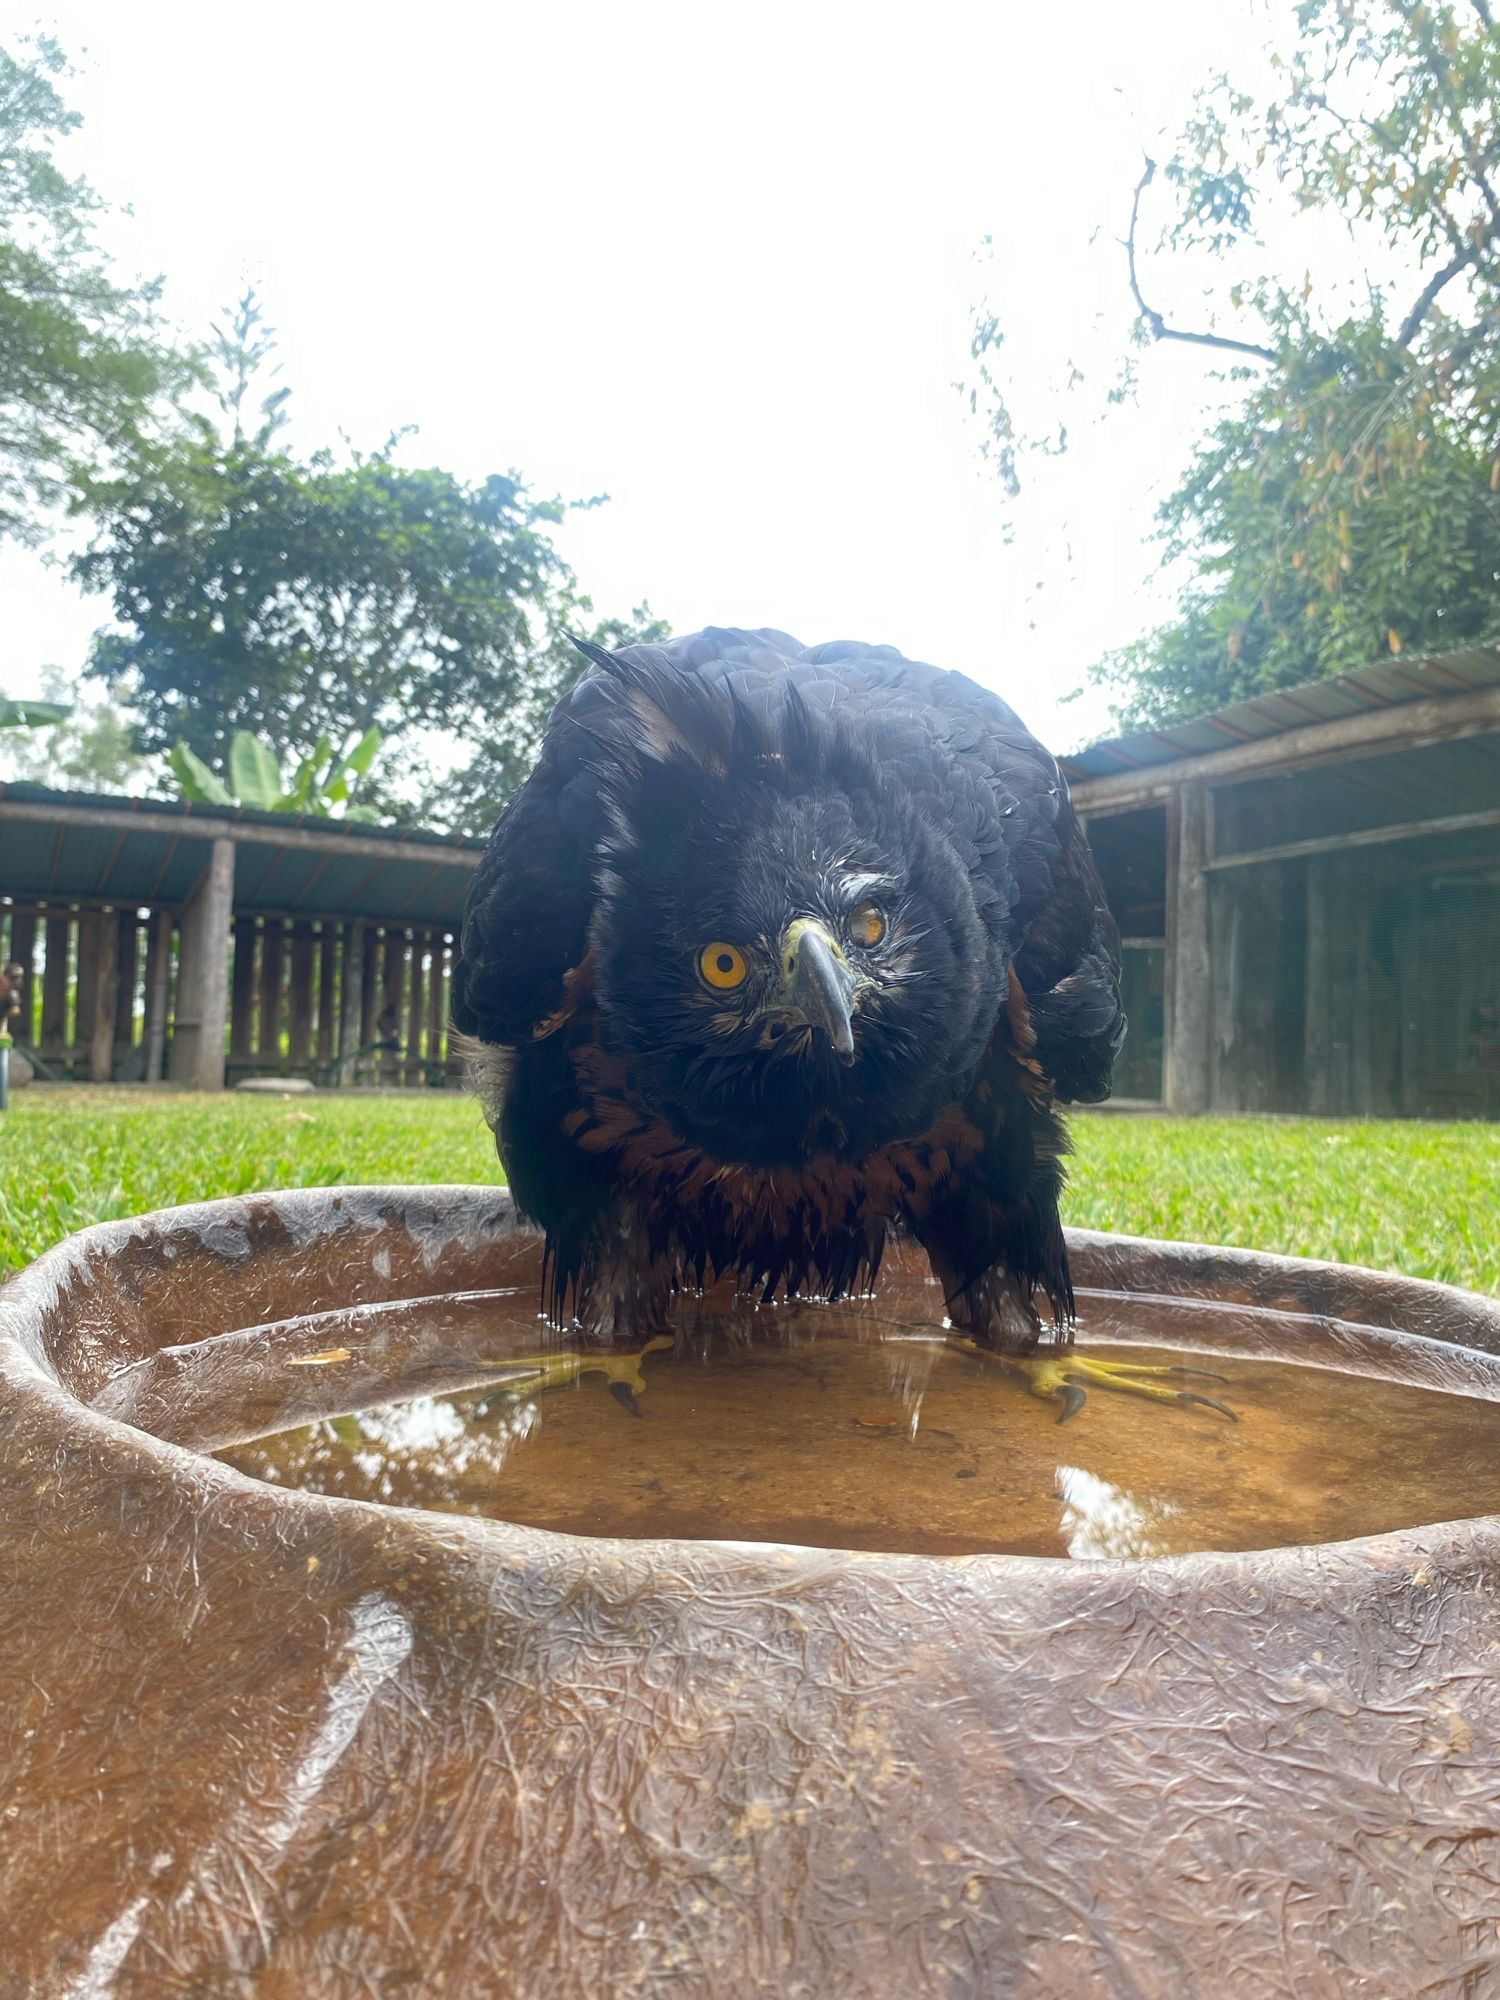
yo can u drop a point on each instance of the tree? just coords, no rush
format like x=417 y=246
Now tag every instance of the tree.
x=1347 y=504
x=81 y=356
x=302 y=599
x=88 y=748
x=308 y=600
x=508 y=745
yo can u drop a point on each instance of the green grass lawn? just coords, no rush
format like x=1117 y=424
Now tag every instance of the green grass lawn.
x=1419 y=1198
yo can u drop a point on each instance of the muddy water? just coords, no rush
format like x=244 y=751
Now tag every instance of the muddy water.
x=840 y=1429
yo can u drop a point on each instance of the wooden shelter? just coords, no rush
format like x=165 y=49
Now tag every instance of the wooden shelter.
x=205 y=946
x=1308 y=889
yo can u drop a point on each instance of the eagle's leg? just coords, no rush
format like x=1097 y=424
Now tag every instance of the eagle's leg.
x=622 y=1298
x=995 y=1309
x=625 y=1281
x=1067 y=1375
x=530 y=1374
x=994 y=1319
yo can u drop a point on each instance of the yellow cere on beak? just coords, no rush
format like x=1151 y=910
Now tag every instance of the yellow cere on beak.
x=817 y=983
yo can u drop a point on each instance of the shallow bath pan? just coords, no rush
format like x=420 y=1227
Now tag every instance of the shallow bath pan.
x=260 y=1741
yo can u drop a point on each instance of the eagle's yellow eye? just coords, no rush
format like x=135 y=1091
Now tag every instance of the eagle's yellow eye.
x=723 y=966
x=867 y=925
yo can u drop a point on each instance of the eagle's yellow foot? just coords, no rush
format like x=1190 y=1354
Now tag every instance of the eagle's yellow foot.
x=530 y=1374
x=1066 y=1374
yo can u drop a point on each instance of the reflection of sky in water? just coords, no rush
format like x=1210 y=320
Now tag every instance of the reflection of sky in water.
x=1103 y=1520
x=428 y=1436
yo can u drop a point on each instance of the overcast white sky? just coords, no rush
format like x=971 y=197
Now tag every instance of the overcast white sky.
x=714 y=261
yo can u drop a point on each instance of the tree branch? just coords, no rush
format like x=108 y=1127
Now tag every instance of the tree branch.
x=1418 y=20
x=1482 y=9
x=1159 y=328
x=1397 y=151
x=1413 y=321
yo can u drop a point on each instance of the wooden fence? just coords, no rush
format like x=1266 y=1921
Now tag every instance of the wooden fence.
x=344 y=1000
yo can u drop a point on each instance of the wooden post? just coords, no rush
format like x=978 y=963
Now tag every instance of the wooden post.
x=126 y=970
x=392 y=968
x=392 y=971
x=85 y=984
x=327 y=972
x=1261 y=950
x=1317 y=990
x=102 y=1014
x=1226 y=970
x=1189 y=972
x=1384 y=913
x=55 y=983
x=351 y=988
x=158 y=971
x=1411 y=964
x=272 y=967
x=203 y=975
x=368 y=1008
x=435 y=998
x=1367 y=1010
x=23 y=951
x=242 y=996
x=301 y=998
x=415 y=1012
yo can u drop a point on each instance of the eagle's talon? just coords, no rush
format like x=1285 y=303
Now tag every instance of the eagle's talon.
x=624 y=1395
x=1068 y=1375
x=1208 y=1403
x=531 y=1374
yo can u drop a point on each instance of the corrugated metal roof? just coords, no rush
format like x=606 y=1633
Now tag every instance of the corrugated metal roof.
x=80 y=846
x=1384 y=684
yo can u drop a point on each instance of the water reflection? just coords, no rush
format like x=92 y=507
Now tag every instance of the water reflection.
x=430 y=1451
x=1103 y=1520
x=902 y=1444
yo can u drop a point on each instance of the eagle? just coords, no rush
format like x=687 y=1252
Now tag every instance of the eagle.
x=780 y=950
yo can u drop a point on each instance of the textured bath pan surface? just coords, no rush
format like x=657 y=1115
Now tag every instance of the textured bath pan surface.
x=259 y=1742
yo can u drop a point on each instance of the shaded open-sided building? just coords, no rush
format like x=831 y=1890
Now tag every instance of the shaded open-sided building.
x=203 y=945
x=1308 y=887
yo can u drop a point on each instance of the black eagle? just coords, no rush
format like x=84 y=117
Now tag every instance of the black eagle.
x=780 y=949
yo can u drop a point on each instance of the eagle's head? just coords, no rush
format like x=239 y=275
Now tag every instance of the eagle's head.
x=791 y=956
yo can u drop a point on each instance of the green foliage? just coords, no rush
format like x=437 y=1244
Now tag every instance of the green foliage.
x=81 y=357
x=1345 y=512
x=239 y=350
x=1348 y=505
x=89 y=749
x=275 y=605
x=196 y=780
x=24 y=714
x=321 y=782
x=299 y=599
x=255 y=774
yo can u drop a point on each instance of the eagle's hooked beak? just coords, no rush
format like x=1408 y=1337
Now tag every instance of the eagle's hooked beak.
x=818 y=984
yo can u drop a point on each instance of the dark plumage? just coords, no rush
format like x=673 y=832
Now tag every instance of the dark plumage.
x=912 y=961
